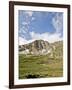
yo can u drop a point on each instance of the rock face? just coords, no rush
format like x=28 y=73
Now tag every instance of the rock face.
x=37 y=47
x=41 y=47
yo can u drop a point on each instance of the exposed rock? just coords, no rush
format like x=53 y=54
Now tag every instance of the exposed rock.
x=41 y=47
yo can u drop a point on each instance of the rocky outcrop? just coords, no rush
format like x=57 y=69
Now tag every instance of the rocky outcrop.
x=37 y=47
x=41 y=47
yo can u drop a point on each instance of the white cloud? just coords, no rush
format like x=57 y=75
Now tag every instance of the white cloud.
x=57 y=22
x=22 y=41
x=23 y=30
x=33 y=18
x=50 y=37
x=25 y=23
x=30 y=13
x=46 y=36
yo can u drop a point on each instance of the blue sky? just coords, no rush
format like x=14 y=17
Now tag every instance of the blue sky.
x=34 y=25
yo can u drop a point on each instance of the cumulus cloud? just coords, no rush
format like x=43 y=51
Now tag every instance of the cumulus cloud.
x=23 y=41
x=43 y=36
x=46 y=36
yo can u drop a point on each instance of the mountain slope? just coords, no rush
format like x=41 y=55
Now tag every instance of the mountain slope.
x=41 y=59
x=41 y=47
x=37 y=47
x=57 y=49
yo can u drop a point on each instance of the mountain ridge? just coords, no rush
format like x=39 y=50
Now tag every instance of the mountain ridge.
x=41 y=47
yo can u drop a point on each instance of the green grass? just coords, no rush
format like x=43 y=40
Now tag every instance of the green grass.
x=39 y=66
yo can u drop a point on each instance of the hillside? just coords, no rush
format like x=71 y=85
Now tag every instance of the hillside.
x=41 y=47
x=41 y=59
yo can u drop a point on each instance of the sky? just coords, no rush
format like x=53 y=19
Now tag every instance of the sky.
x=35 y=25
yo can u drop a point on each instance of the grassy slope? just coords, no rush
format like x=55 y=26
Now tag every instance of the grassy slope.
x=40 y=66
